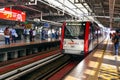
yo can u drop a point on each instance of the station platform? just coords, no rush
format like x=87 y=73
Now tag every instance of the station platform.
x=23 y=48
x=25 y=42
x=101 y=64
x=2 y=42
x=110 y=67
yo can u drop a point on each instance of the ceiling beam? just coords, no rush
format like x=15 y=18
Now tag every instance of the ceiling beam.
x=101 y=3
x=111 y=11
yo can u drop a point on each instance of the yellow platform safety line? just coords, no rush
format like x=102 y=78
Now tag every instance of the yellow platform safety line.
x=110 y=67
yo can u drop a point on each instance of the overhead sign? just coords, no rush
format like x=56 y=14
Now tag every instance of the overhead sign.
x=28 y=26
x=32 y=2
x=117 y=19
x=11 y=14
x=46 y=25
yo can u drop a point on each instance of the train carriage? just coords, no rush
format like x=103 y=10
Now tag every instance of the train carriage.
x=80 y=38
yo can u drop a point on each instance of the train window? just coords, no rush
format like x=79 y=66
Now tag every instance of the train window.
x=74 y=31
x=93 y=31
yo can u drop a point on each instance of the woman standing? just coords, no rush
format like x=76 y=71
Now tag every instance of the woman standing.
x=7 y=35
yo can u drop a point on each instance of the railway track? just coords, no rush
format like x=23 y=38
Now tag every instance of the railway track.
x=61 y=65
x=29 y=68
x=41 y=69
x=11 y=69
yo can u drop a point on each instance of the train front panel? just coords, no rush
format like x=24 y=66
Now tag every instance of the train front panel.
x=73 y=47
x=73 y=38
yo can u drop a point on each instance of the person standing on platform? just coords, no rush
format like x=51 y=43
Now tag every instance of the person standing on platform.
x=7 y=35
x=31 y=34
x=25 y=33
x=14 y=35
x=43 y=34
x=34 y=34
x=110 y=35
x=56 y=34
x=116 y=42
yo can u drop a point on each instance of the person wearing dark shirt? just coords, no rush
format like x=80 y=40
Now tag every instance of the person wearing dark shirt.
x=110 y=35
x=116 y=42
x=31 y=34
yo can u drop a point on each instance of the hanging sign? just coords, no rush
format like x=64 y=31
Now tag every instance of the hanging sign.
x=46 y=25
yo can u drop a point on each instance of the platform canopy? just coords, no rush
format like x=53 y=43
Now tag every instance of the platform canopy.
x=105 y=12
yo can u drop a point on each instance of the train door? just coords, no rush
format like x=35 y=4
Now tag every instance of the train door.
x=91 y=37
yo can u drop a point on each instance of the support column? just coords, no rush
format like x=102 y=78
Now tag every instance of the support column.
x=16 y=54
x=3 y=56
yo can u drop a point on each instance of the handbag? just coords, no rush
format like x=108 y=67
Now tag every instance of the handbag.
x=16 y=35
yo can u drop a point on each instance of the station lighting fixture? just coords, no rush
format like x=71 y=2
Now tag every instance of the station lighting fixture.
x=77 y=10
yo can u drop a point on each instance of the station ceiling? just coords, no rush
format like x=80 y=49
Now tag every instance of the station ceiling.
x=107 y=12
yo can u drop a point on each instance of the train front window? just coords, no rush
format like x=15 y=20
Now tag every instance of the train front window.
x=74 y=31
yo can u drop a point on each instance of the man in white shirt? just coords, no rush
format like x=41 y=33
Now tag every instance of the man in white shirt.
x=34 y=34
x=13 y=34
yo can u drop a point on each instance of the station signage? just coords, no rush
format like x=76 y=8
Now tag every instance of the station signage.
x=32 y=1
x=11 y=14
x=46 y=25
x=117 y=19
x=73 y=23
x=28 y=26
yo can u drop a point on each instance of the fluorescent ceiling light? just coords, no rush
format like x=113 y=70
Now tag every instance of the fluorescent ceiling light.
x=69 y=6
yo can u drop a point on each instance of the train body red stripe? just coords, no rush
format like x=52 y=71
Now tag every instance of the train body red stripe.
x=62 y=35
x=86 y=38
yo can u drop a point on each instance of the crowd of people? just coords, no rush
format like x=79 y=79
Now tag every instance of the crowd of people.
x=43 y=34
x=10 y=35
x=31 y=33
x=46 y=34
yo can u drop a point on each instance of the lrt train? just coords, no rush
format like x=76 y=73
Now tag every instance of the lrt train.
x=80 y=38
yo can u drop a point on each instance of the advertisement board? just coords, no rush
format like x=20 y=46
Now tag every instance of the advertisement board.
x=11 y=14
